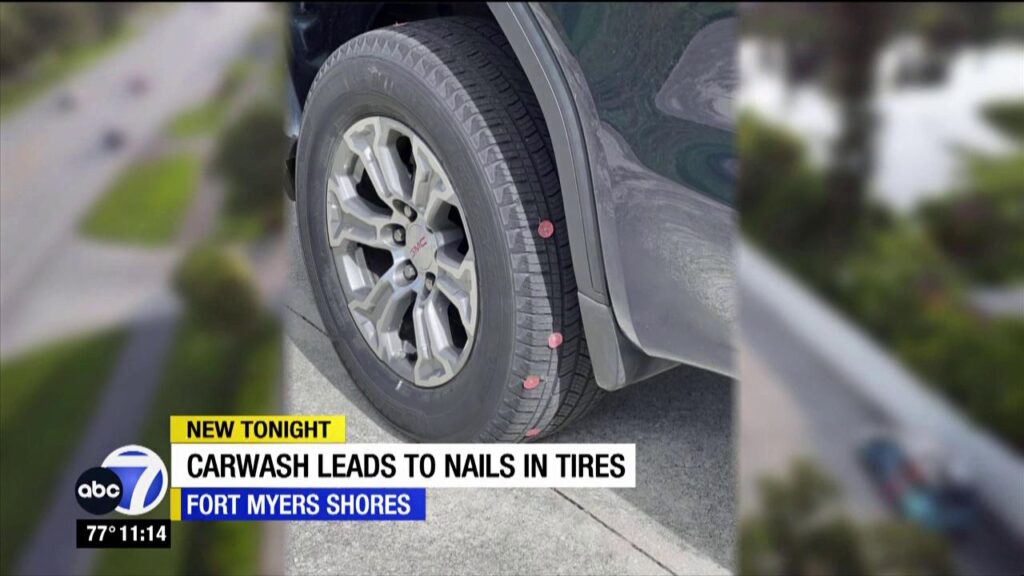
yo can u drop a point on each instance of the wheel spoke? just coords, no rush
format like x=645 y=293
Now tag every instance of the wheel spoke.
x=380 y=312
x=425 y=178
x=351 y=217
x=374 y=144
x=456 y=281
x=438 y=202
x=450 y=239
x=435 y=353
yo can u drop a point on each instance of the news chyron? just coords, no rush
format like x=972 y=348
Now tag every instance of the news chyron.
x=256 y=468
x=298 y=468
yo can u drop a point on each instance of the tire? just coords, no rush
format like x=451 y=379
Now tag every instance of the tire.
x=455 y=82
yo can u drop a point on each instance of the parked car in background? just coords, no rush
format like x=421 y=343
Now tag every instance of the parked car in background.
x=919 y=482
x=67 y=100
x=507 y=209
x=113 y=139
x=138 y=85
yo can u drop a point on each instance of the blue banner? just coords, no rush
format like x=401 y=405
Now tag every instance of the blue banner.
x=303 y=504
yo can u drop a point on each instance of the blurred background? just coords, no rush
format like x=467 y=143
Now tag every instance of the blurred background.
x=881 y=288
x=141 y=267
x=881 y=274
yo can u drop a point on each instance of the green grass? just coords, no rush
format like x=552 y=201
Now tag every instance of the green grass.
x=48 y=397
x=200 y=120
x=18 y=91
x=234 y=79
x=208 y=117
x=147 y=203
x=236 y=227
x=207 y=373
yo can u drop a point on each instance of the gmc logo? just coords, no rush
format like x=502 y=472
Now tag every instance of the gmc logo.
x=417 y=246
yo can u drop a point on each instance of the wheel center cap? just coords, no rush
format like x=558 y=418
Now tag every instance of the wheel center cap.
x=421 y=248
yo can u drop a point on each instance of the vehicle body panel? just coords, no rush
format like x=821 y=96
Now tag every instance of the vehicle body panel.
x=653 y=86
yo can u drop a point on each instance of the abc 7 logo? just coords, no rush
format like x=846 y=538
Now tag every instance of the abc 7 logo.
x=132 y=480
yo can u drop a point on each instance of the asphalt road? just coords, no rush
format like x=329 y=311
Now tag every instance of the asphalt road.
x=53 y=165
x=834 y=418
x=679 y=519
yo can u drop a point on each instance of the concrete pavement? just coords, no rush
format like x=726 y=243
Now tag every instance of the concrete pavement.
x=678 y=520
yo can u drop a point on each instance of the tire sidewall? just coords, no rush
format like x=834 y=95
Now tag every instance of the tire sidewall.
x=354 y=87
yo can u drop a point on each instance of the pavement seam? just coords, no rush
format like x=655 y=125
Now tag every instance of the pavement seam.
x=307 y=320
x=614 y=531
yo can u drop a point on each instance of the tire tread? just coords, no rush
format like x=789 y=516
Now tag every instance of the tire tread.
x=469 y=63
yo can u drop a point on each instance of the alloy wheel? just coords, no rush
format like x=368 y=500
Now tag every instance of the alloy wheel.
x=402 y=250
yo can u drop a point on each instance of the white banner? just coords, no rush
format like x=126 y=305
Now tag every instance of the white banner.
x=403 y=465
